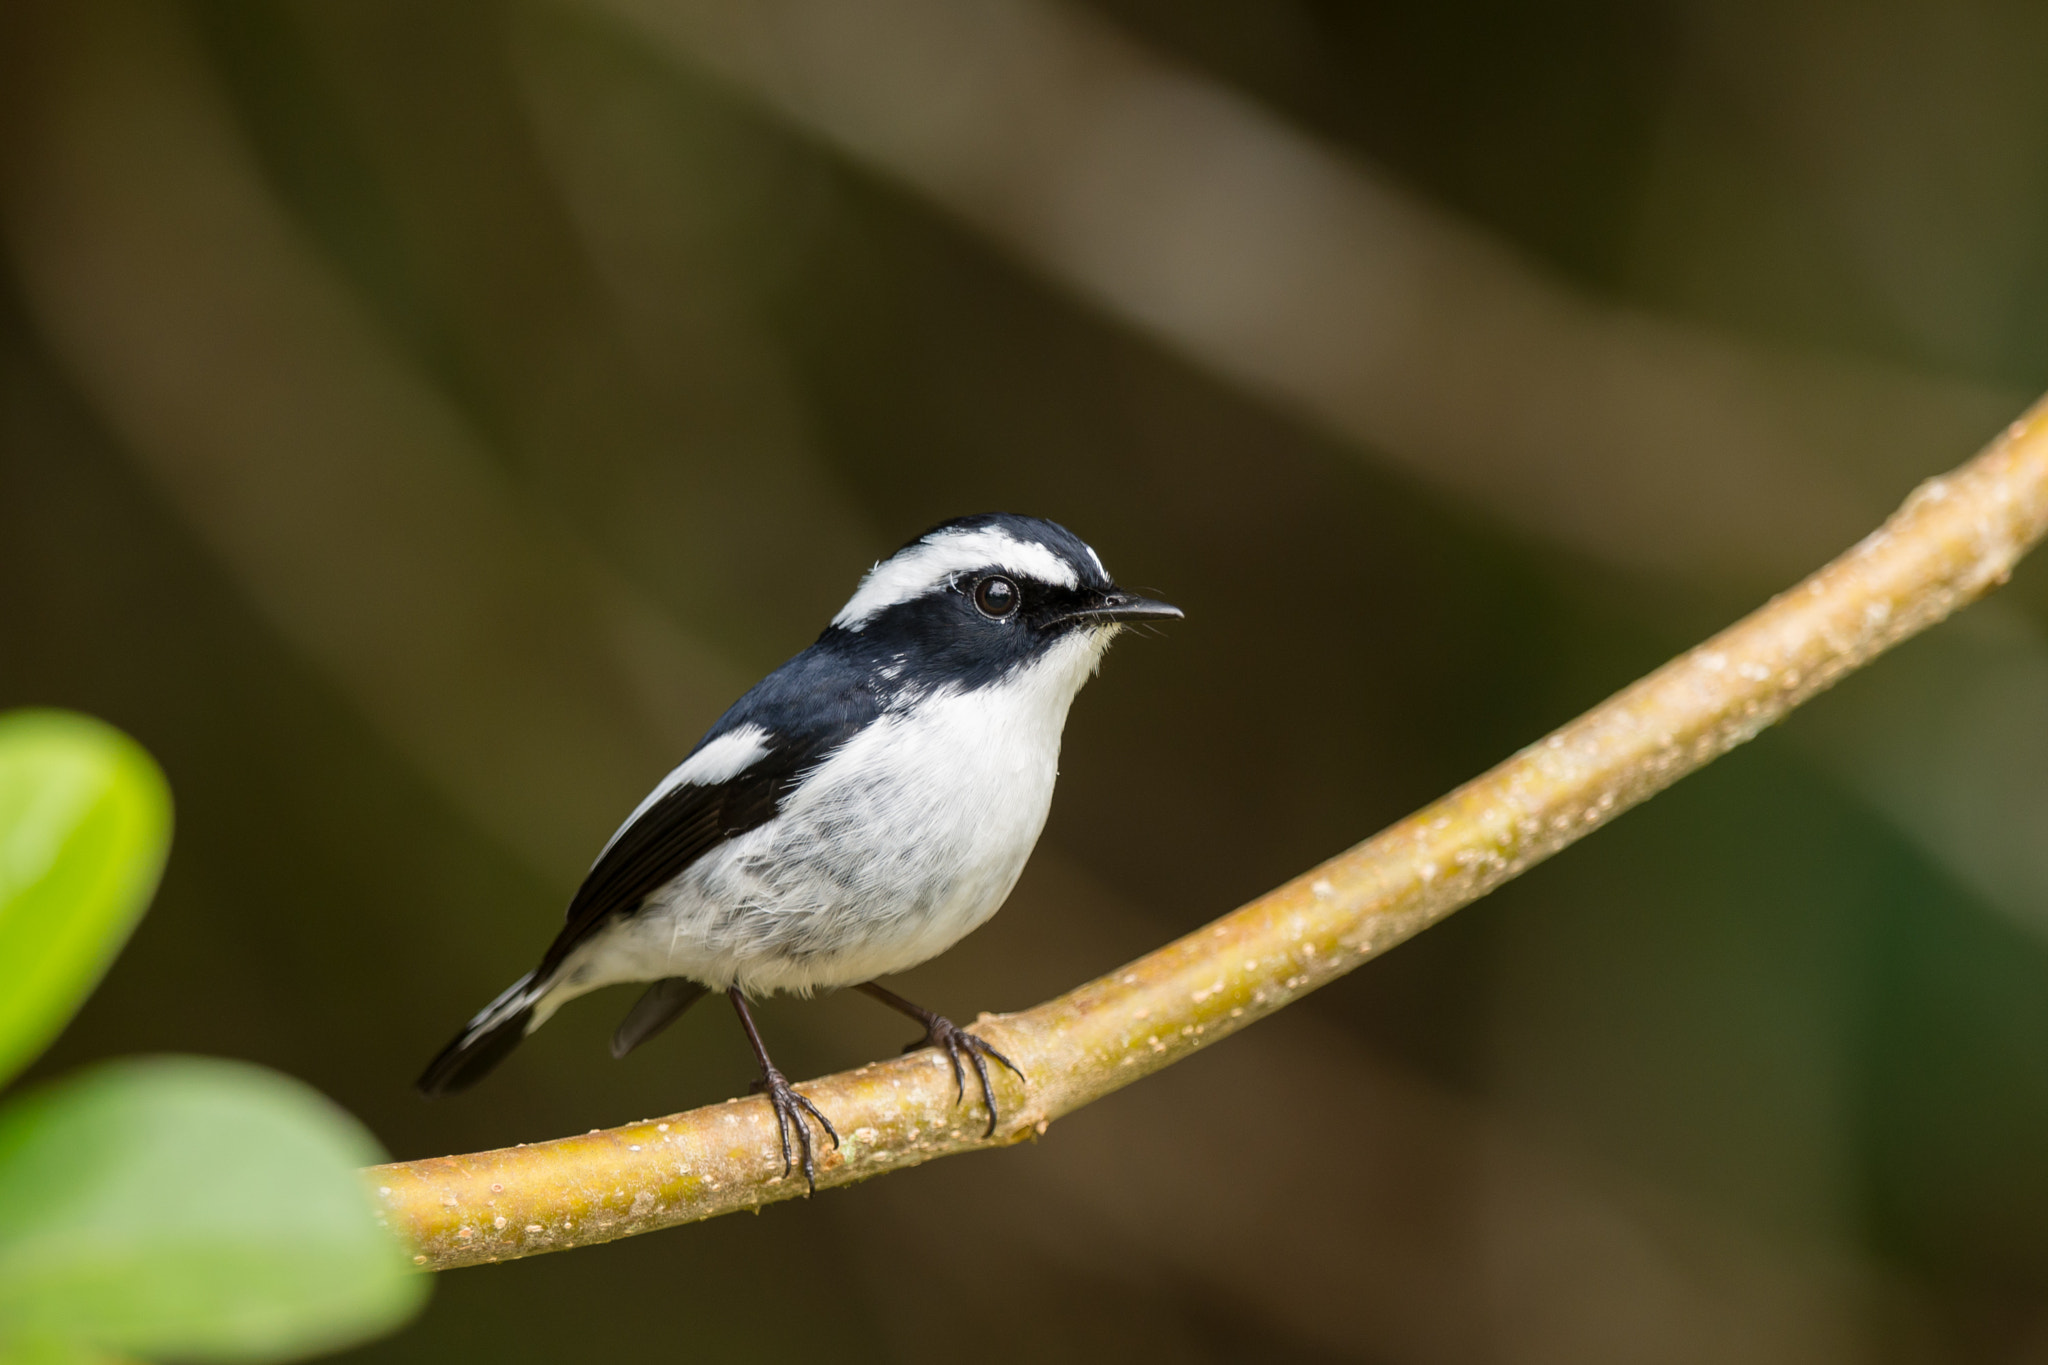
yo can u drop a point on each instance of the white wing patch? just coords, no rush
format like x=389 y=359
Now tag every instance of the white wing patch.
x=724 y=758
x=911 y=573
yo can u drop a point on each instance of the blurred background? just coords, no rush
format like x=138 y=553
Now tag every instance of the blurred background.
x=418 y=422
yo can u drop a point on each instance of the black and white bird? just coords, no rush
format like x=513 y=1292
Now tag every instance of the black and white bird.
x=858 y=812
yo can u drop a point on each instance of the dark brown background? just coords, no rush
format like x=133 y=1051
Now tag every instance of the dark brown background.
x=416 y=423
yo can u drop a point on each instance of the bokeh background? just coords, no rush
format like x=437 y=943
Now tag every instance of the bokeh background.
x=418 y=421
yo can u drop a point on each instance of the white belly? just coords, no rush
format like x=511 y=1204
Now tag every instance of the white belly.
x=892 y=850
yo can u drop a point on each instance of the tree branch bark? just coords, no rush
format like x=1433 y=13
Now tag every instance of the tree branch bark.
x=1955 y=538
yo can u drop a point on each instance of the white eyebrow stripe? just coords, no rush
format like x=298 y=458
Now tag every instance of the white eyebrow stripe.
x=723 y=759
x=913 y=572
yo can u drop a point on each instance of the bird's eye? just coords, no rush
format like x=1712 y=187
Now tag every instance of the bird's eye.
x=996 y=596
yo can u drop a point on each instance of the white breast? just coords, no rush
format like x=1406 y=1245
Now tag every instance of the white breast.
x=907 y=838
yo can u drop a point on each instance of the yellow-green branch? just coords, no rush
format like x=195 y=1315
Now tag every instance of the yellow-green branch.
x=1954 y=539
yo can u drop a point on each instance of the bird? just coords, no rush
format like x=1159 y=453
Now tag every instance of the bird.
x=857 y=812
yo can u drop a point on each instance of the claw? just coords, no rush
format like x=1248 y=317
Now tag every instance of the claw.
x=790 y=1107
x=942 y=1033
x=950 y=1038
x=976 y=1048
x=952 y=1055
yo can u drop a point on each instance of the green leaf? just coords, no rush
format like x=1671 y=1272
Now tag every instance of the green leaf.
x=53 y=1351
x=194 y=1209
x=85 y=820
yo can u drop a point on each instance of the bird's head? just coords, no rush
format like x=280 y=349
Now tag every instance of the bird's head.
x=977 y=598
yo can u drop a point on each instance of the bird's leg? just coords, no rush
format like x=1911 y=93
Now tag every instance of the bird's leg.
x=790 y=1107
x=941 y=1032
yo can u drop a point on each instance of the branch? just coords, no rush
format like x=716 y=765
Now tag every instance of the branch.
x=1955 y=538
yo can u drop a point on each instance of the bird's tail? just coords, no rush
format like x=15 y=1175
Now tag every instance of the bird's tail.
x=486 y=1040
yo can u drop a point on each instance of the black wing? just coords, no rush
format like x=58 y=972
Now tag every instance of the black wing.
x=671 y=834
x=808 y=707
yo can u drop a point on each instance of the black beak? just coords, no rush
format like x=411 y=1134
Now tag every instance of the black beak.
x=1121 y=606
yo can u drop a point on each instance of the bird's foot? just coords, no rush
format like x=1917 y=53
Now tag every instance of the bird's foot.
x=790 y=1108
x=942 y=1033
